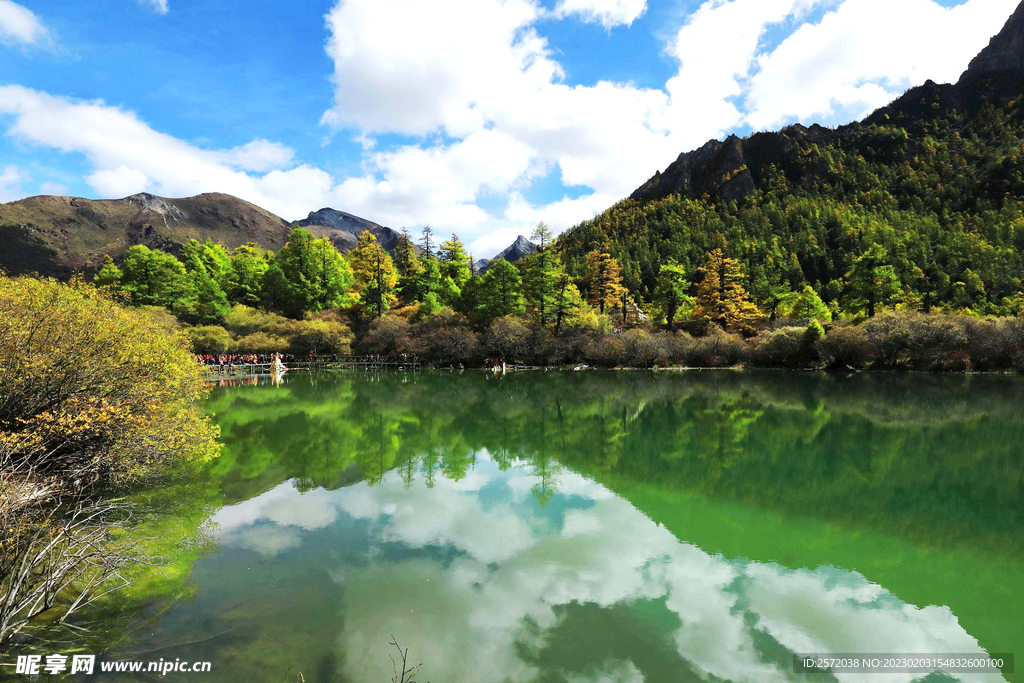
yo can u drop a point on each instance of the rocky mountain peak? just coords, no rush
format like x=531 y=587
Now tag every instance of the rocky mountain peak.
x=339 y=220
x=150 y=202
x=1005 y=52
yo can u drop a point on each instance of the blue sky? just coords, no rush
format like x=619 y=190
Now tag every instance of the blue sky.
x=476 y=116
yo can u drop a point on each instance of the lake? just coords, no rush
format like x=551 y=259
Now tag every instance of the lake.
x=590 y=526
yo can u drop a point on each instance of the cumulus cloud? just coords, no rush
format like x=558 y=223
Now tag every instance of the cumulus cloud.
x=129 y=156
x=19 y=25
x=11 y=178
x=50 y=187
x=851 y=62
x=608 y=13
x=158 y=6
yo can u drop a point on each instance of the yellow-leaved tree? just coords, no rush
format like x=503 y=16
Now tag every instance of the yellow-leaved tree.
x=721 y=297
x=92 y=395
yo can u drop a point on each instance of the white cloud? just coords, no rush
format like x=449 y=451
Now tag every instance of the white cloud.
x=118 y=182
x=851 y=62
x=11 y=178
x=128 y=156
x=159 y=6
x=50 y=187
x=608 y=13
x=19 y=25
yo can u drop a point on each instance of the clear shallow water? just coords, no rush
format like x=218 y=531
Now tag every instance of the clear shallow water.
x=594 y=527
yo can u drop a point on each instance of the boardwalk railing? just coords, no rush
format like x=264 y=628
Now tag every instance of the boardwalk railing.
x=239 y=369
x=354 y=363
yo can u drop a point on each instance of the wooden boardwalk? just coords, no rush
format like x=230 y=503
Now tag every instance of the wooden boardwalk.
x=355 y=363
x=239 y=370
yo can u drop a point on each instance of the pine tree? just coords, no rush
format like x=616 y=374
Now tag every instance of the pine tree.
x=808 y=304
x=245 y=281
x=455 y=261
x=427 y=242
x=721 y=296
x=109 y=275
x=671 y=290
x=603 y=281
x=541 y=274
x=871 y=282
x=319 y=277
x=373 y=274
x=567 y=301
x=502 y=290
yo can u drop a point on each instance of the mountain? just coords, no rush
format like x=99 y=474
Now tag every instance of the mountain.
x=58 y=235
x=935 y=178
x=733 y=168
x=512 y=253
x=343 y=229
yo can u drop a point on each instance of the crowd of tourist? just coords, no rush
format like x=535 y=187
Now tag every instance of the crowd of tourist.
x=227 y=359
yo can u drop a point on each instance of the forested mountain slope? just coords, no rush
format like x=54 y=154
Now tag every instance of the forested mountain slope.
x=936 y=179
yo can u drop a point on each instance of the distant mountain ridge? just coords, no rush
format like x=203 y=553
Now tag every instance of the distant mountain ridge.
x=57 y=236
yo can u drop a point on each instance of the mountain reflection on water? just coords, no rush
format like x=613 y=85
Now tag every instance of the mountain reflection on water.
x=605 y=527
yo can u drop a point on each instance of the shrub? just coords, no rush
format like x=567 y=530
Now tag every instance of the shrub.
x=262 y=342
x=90 y=388
x=507 y=338
x=787 y=347
x=243 y=320
x=319 y=337
x=845 y=346
x=452 y=345
x=717 y=348
x=607 y=351
x=641 y=349
x=209 y=339
x=387 y=335
x=93 y=394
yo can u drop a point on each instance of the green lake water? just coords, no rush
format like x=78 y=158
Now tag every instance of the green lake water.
x=586 y=527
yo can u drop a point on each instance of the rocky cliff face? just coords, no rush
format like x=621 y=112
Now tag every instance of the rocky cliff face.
x=58 y=235
x=733 y=168
x=1005 y=52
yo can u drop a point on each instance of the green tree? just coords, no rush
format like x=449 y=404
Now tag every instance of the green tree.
x=373 y=274
x=249 y=263
x=721 y=296
x=541 y=275
x=207 y=303
x=213 y=257
x=671 y=291
x=502 y=290
x=455 y=261
x=805 y=304
x=319 y=277
x=567 y=302
x=154 y=278
x=871 y=282
x=109 y=275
